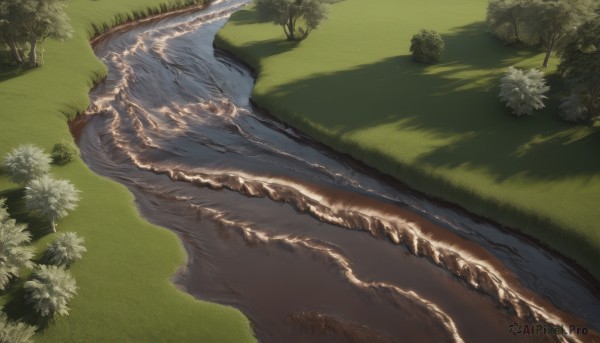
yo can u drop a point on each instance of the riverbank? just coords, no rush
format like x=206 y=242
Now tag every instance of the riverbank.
x=126 y=293
x=364 y=96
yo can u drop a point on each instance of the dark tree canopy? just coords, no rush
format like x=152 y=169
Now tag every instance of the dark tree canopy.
x=549 y=22
x=580 y=65
x=32 y=21
x=505 y=19
x=297 y=17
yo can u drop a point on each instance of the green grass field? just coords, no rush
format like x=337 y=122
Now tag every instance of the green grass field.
x=439 y=128
x=125 y=288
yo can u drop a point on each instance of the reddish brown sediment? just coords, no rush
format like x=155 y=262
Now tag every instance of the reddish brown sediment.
x=281 y=227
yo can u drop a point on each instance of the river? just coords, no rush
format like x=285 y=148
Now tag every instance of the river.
x=311 y=245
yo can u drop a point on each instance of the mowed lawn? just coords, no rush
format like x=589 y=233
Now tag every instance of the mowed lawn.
x=439 y=128
x=125 y=288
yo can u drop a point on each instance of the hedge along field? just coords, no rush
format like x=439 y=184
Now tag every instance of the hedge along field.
x=125 y=289
x=440 y=128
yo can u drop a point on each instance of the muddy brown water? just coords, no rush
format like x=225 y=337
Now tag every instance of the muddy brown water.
x=311 y=245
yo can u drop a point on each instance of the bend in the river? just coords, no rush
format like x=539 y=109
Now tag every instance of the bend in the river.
x=309 y=244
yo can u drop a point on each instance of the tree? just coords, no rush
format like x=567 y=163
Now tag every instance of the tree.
x=51 y=198
x=14 y=250
x=427 y=46
x=43 y=19
x=554 y=20
x=15 y=332
x=505 y=17
x=286 y=13
x=50 y=290
x=26 y=162
x=523 y=91
x=580 y=66
x=65 y=250
x=10 y=28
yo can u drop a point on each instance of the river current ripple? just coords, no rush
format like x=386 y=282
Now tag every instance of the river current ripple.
x=311 y=245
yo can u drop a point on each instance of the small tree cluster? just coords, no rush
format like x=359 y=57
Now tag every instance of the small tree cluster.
x=15 y=332
x=48 y=197
x=65 y=250
x=427 y=46
x=523 y=91
x=549 y=22
x=297 y=17
x=14 y=250
x=30 y=22
x=50 y=290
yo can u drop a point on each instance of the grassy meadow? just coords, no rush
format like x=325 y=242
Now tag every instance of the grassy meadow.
x=440 y=128
x=125 y=289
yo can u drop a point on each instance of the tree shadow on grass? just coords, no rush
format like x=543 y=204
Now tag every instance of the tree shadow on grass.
x=455 y=101
x=15 y=205
x=11 y=72
x=271 y=47
x=473 y=46
x=244 y=17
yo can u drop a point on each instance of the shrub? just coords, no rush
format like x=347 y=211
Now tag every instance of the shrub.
x=427 y=46
x=63 y=152
x=50 y=290
x=26 y=162
x=65 y=250
x=15 y=332
x=51 y=198
x=523 y=91
x=14 y=251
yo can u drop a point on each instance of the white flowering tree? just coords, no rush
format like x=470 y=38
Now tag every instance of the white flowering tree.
x=15 y=332
x=50 y=290
x=26 y=162
x=51 y=198
x=65 y=250
x=523 y=91
x=14 y=250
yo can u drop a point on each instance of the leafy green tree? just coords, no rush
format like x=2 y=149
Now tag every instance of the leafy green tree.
x=11 y=29
x=65 y=250
x=41 y=19
x=50 y=290
x=14 y=250
x=289 y=14
x=505 y=18
x=26 y=162
x=51 y=198
x=427 y=46
x=580 y=65
x=15 y=332
x=554 y=20
x=523 y=91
